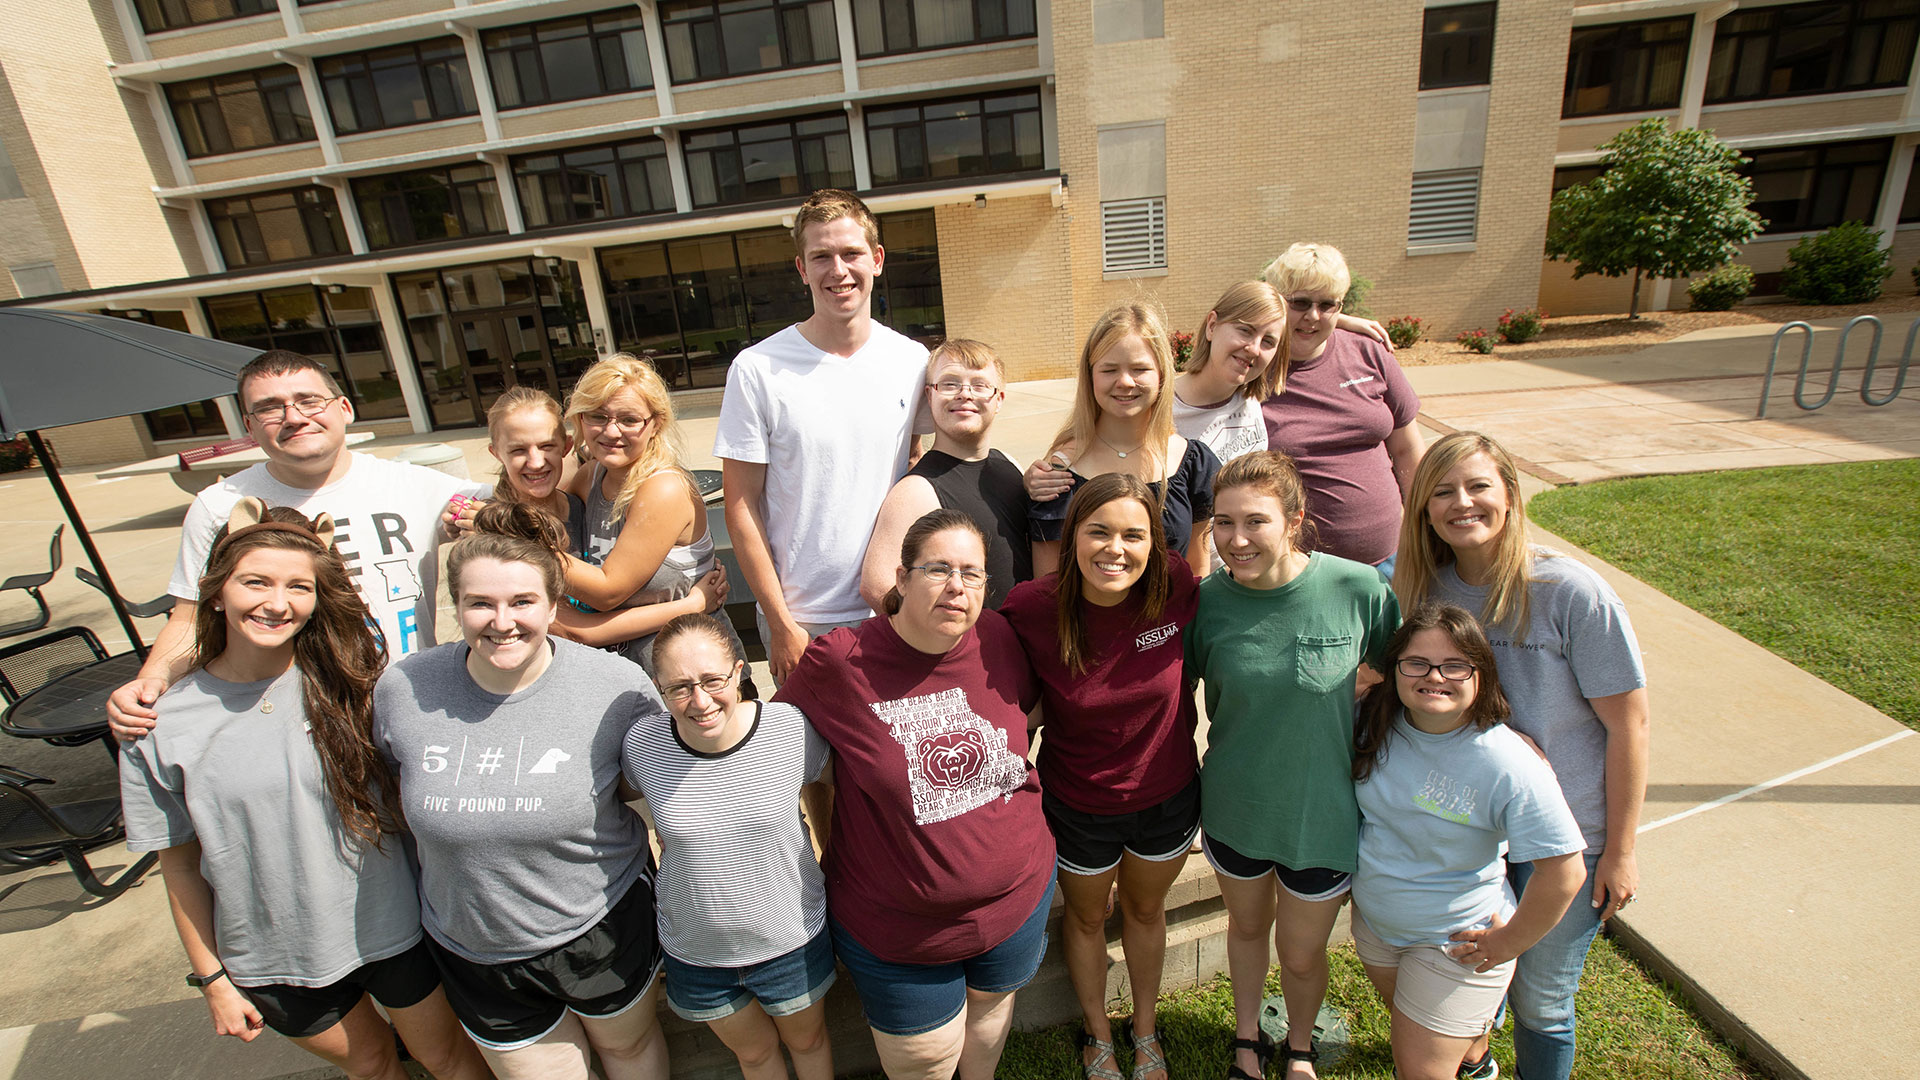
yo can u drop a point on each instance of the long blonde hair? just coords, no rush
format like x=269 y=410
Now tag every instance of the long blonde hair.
x=625 y=371
x=1133 y=318
x=1257 y=304
x=1423 y=552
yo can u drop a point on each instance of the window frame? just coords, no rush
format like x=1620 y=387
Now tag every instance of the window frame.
x=201 y=108
x=361 y=87
x=1805 y=221
x=307 y=207
x=495 y=47
x=522 y=173
x=905 y=8
x=804 y=181
x=334 y=329
x=458 y=191
x=1432 y=43
x=982 y=114
x=675 y=14
x=1729 y=58
x=1619 y=47
x=159 y=7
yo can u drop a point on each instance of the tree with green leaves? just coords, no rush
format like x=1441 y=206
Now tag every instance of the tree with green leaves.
x=1669 y=204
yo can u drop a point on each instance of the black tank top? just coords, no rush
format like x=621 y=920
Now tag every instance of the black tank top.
x=992 y=493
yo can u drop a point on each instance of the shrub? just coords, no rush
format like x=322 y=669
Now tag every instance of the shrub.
x=1844 y=265
x=1182 y=343
x=1721 y=289
x=1477 y=340
x=1916 y=278
x=1517 y=327
x=1405 y=330
x=1355 y=302
x=15 y=455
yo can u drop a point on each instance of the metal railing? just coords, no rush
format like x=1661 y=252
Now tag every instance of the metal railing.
x=1839 y=357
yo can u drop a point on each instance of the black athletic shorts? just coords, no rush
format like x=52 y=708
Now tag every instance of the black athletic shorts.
x=1091 y=844
x=1313 y=883
x=301 y=1012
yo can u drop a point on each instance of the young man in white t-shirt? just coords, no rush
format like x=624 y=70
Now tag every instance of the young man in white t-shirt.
x=817 y=423
x=387 y=518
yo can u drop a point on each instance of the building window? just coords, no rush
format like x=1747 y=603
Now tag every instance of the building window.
x=1456 y=46
x=1446 y=207
x=1812 y=49
x=406 y=84
x=1803 y=188
x=1128 y=20
x=568 y=59
x=1910 y=202
x=337 y=326
x=592 y=182
x=158 y=15
x=781 y=160
x=1133 y=198
x=1626 y=67
x=194 y=420
x=36 y=279
x=242 y=111
x=708 y=40
x=896 y=26
x=428 y=205
x=967 y=137
x=1570 y=175
x=278 y=226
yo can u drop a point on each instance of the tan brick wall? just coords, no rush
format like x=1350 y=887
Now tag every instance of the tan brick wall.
x=1005 y=280
x=223 y=35
x=880 y=74
x=218 y=170
x=100 y=442
x=1575 y=138
x=411 y=140
x=1811 y=116
x=767 y=92
x=638 y=110
x=1906 y=252
x=1560 y=294
x=339 y=16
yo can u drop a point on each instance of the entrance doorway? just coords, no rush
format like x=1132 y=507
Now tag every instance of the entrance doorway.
x=503 y=349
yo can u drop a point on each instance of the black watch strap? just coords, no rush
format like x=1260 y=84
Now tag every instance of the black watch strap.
x=199 y=982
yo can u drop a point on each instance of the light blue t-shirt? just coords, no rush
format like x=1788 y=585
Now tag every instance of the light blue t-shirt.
x=1432 y=818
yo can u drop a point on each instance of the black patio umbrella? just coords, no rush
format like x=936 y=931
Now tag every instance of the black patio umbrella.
x=63 y=367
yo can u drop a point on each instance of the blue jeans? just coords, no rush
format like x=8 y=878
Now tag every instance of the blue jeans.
x=1544 y=981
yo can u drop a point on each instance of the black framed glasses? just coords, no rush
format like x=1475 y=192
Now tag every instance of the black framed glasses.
x=306 y=404
x=683 y=691
x=1451 y=670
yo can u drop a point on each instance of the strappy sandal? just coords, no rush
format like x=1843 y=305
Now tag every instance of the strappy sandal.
x=1288 y=1055
x=1149 y=1056
x=1262 y=1052
x=1103 y=1062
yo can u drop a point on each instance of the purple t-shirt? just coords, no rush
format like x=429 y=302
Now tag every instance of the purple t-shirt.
x=1334 y=417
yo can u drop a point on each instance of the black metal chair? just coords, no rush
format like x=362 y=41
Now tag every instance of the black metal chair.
x=159 y=605
x=34 y=832
x=30 y=584
x=28 y=665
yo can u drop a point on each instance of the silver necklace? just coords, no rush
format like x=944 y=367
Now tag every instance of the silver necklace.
x=1117 y=450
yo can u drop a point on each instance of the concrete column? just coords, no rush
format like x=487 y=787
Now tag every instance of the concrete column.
x=677 y=170
x=482 y=82
x=131 y=30
x=203 y=232
x=316 y=105
x=169 y=133
x=849 y=45
x=657 y=56
x=1043 y=24
x=857 y=130
x=1693 y=92
x=1049 y=126
x=594 y=287
x=1894 y=191
x=509 y=194
x=349 y=212
x=229 y=408
x=290 y=18
x=394 y=329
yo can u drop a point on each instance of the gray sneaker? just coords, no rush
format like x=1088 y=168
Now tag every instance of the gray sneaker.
x=1484 y=1069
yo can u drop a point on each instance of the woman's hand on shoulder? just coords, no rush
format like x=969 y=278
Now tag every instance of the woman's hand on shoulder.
x=1366 y=327
x=1050 y=477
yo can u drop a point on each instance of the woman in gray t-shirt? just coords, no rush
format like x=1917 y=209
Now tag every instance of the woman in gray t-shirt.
x=271 y=809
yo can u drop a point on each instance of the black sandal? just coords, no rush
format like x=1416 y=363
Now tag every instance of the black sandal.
x=1262 y=1052
x=1288 y=1055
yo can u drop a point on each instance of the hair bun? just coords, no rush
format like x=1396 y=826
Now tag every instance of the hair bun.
x=523 y=522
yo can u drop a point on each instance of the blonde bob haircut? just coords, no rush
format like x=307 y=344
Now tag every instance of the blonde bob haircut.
x=968 y=353
x=1423 y=553
x=1310 y=268
x=625 y=371
x=832 y=204
x=1257 y=304
x=1135 y=319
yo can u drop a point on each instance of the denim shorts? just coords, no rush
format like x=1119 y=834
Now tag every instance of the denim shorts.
x=784 y=985
x=909 y=999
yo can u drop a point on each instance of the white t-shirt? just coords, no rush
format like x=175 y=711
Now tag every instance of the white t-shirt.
x=1229 y=430
x=834 y=433
x=386 y=517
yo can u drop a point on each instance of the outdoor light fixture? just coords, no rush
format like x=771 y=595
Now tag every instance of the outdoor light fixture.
x=980 y=201
x=336 y=290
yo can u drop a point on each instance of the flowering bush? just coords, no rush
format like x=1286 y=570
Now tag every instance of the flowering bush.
x=1182 y=343
x=15 y=455
x=1516 y=327
x=1403 y=331
x=1479 y=341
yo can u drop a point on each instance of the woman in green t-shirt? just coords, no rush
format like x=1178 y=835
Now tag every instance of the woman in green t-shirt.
x=1279 y=638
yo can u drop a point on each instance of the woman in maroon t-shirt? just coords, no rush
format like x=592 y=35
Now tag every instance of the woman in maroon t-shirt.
x=939 y=864
x=1121 y=778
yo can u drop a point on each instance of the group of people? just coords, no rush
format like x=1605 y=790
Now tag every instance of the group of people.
x=1410 y=707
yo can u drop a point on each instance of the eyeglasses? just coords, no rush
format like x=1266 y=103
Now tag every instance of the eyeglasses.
x=950 y=388
x=628 y=422
x=1301 y=305
x=1452 y=670
x=683 y=691
x=275 y=412
x=972 y=577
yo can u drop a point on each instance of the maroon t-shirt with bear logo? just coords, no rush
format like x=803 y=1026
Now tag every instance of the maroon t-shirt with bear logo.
x=1119 y=735
x=938 y=850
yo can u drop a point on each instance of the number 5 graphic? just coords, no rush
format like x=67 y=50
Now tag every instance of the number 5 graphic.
x=434 y=759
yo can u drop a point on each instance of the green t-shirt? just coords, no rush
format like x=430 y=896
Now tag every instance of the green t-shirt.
x=1279 y=667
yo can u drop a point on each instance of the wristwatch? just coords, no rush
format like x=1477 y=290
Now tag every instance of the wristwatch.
x=199 y=982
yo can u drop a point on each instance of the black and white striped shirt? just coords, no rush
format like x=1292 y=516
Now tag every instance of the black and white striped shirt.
x=738 y=881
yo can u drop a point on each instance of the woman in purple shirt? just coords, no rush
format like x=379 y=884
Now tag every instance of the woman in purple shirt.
x=1346 y=414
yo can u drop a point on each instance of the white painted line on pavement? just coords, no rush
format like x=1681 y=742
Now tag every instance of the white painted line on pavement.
x=1775 y=782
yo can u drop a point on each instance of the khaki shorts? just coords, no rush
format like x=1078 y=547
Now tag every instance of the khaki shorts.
x=1433 y=989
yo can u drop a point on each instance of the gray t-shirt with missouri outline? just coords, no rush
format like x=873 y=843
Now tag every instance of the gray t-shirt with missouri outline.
x=232 y=765
x=513 y=800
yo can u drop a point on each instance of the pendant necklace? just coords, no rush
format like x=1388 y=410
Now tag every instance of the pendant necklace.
x=1117 y=450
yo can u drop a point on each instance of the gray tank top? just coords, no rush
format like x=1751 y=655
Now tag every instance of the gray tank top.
x=684 y=565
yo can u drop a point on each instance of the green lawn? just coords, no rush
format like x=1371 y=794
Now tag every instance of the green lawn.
x=1819 y=563
x=1630 y=1026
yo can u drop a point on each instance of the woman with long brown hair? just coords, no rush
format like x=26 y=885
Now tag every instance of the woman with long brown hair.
x=263 y=789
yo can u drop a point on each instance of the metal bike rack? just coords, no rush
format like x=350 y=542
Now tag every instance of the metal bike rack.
x=1839 y=357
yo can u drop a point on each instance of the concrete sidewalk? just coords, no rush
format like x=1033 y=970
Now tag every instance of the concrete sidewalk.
x=1777 y=884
